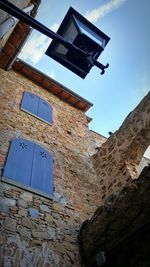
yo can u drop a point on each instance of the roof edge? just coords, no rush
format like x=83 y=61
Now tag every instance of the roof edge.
x=51 y=80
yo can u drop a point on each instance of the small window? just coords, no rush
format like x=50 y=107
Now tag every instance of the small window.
x=30 y=165
x=37 y=107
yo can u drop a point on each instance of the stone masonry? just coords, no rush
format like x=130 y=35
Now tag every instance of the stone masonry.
x=119 y=229
x=117 y=160
x=37 y=231
x=40 y=231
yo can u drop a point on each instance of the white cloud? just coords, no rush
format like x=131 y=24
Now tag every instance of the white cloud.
x=36 y=46
x=101 y=11
x=54 y=27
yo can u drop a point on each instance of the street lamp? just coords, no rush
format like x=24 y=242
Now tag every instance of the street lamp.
x=83 y=34
x=76 y=45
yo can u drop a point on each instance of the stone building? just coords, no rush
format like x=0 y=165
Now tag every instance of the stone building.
x=55 y=172
x=41 y=221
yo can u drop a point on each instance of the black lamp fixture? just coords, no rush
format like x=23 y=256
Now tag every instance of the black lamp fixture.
x=83 y=34
x=77 y=43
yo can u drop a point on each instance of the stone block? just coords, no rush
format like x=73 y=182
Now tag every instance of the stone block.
x=24 y=232
x=22 y=212
x=33 y=212
x=52 y=233
x=22 y=203
x=49 y=218
x=6 y=203
x=10 y=224
x=36 y=242
x=40 y=234
x=26 y=196
x=26 y=222
x=4 y=208
x=13 y=210
x=44 y=208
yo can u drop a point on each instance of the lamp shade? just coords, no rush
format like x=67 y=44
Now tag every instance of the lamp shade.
x=83 y=34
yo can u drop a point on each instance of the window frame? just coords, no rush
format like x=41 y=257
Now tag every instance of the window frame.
x=27 y=187
x=34 y=115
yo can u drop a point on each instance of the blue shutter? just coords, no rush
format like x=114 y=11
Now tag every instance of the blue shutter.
x=45 y=111
x=18 y=165
x=30 y=103
x=42 y=171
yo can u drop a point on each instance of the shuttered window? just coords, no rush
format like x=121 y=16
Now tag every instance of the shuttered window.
x=30 y=165
x=44 y=111
x=36 y=106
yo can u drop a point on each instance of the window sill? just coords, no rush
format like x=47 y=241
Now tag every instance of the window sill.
x=39 y=118
x=28 y=188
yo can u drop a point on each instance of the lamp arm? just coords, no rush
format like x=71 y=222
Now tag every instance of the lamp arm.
x=93 y=62
x=22 y=16
x=33 y=23
x=101 y=66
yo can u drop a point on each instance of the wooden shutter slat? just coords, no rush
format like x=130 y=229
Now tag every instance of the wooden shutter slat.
x=45 y=111
x=42 y=171
x=19 y=161
x=30 y=103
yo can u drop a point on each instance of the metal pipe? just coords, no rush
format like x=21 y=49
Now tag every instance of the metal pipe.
x=19 y=14
x=11 y=21
x=7 y=25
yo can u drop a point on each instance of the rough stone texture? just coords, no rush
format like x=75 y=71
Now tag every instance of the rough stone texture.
x=26 y=196
x=122 y=216
x=74 y=175
x=96 y=141
x=50 y=237
x=144 y=162
x=44 y=208
x=6 y=204
x=33 y=212
x=10 y=224
x=118 y=158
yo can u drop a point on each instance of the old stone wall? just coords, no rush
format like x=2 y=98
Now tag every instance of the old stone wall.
x=117 y=160
x=96 y=141
x=119 y=230
x=37 y=231
x=41 y=231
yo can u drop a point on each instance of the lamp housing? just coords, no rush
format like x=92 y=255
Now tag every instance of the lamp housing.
x=80 y=32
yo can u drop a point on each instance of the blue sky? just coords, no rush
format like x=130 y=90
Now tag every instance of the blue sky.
x=127 y=79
